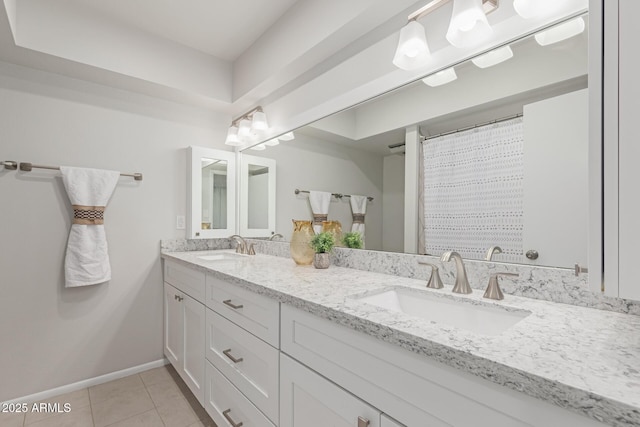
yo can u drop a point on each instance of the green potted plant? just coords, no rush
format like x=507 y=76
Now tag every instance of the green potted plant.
x=322 y=244
x=352 y=240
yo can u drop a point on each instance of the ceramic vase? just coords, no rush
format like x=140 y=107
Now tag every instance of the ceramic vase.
x=300 y=247
x=321 y=260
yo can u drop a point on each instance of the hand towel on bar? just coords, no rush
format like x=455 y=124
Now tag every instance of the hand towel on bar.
x=319 y=201
x=87 y=259
x=358 y=210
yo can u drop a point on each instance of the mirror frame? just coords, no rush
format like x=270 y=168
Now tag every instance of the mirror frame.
x=194 y=192
x=245 y=161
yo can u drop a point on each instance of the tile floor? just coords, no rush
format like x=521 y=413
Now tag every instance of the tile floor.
x=154 y=398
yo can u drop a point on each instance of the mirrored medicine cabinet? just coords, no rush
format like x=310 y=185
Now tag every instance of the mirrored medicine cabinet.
x=215 y=206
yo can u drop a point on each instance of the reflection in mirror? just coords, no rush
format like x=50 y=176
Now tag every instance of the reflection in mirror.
x=211 y=198
x=375 y=149
x=214 y=194
x=257 y=196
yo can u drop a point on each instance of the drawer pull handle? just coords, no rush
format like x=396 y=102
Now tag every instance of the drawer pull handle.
x=232 y=305
x=363 y=422
x=178 y=297
x=228 y=417
x=227 y=353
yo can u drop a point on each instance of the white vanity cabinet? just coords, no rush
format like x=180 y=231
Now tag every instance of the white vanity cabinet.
x=184 y=320
x=242 y=341
x=307 y=399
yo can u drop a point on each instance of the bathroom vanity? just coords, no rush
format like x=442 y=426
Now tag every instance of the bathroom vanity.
x=265 y=342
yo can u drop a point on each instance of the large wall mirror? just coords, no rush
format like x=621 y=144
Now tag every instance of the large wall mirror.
x=257 y=196
x=502 y=157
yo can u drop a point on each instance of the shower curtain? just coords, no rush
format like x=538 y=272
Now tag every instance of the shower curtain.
x=473 y=191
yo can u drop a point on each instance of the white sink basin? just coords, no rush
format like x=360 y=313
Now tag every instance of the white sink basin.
x=482 y=319
x=224 y=256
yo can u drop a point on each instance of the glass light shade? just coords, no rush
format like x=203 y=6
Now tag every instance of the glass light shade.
x=272 y=142
x=232 y=137
x=244 y=130
x=259 y=122
x=287 y=136
x=468 y=26
x=494 y=57
x=259 y=147
x=412 y=51
x=561 y=32
x=534 y=8
x=441 y=77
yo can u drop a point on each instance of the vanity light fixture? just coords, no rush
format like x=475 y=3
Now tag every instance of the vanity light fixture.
x=493 y=57
x=247 y=128
x=534 y=8
x=560 y=32
x=468 y=27
x=272 y=142
x=287 y=136
x=441 y=77
x=259 y=147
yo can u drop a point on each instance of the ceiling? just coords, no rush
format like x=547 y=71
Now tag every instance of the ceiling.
x=222 y=28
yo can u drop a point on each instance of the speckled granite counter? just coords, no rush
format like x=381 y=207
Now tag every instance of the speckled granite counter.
x=582 y=359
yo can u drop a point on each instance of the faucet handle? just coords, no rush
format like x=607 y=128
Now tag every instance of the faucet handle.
x=434 y=281
x=493 y=289
x=251 y=250
x=239 y=248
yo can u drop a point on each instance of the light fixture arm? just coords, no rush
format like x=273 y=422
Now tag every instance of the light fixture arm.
x=248 y=115
x=488 y=6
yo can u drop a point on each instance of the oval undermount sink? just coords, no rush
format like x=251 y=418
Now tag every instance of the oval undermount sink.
x=474 y=317
x=223 y=256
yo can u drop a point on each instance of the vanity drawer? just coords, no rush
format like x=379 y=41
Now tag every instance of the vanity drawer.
x=188 y=280
x=257 y=314
x=413 y=389
x=225 y=404
x=248 y=362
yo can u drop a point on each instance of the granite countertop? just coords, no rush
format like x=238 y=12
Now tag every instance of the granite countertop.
x=582 y=359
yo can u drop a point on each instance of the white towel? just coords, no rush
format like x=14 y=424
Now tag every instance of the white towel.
x=358 y=210
x=319 y=201
x=87 y=259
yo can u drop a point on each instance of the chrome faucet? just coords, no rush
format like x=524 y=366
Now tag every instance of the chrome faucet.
x=242 y=247
x=492 y=250
x=273 y=236
x=462 y=283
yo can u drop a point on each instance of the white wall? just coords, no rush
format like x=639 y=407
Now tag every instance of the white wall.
x=310 y=164
x=393 y=204
x=52 y=336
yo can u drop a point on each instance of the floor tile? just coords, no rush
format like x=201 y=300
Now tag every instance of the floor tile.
x=124 y=405
x=114 y=388
x=8 y=419
x=76 y=400
x=208 y=423
x=157 y=375
x=177 y=413
x=76 y=418
x=146 y=419
x=164 y=392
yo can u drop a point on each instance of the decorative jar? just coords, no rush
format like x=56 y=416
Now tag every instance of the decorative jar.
x=301 y=250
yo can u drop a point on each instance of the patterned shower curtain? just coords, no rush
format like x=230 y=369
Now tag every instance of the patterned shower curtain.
x=473 y=191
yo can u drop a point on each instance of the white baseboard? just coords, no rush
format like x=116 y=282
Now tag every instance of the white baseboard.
x=47 y=394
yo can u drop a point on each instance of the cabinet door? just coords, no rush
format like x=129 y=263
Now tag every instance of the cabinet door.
x=172 y=325
x=388 y=422
x=193 y=330
x=307 y=399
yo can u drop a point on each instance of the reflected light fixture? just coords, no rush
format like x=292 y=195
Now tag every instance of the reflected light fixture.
x=441 y=77
x=247 y=128
x=493 y=57
x=468 y=26
x=272 y=142
x=534 y=8
x=259 y=147
x=287 y=136
x=560 y=32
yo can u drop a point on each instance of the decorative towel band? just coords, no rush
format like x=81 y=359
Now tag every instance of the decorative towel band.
x=358 y=218
x=88 y=215
x=318 y=218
